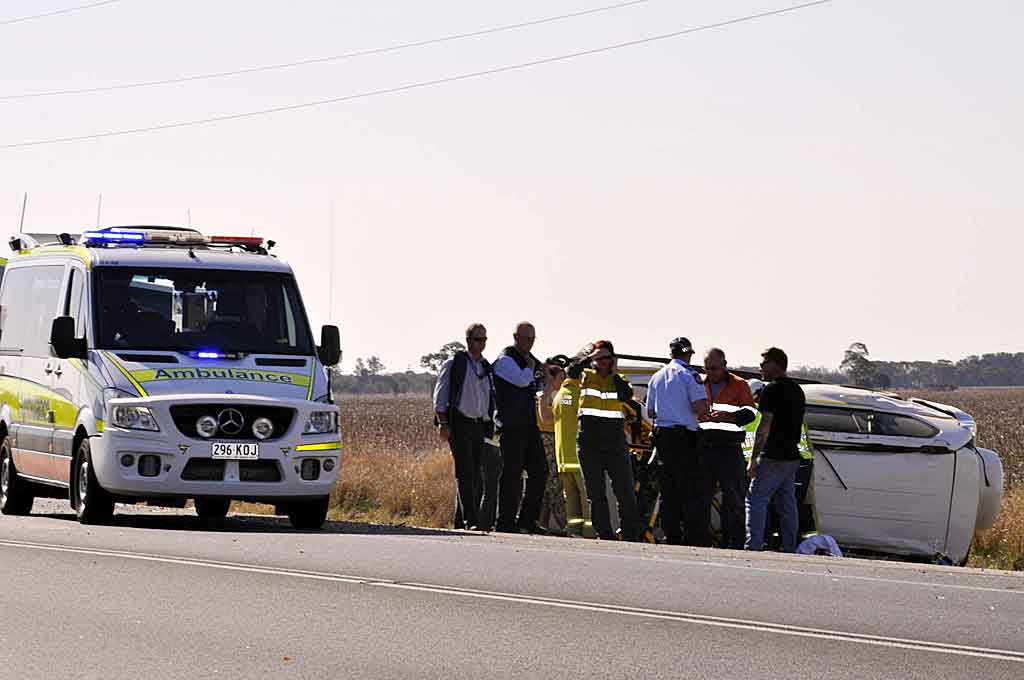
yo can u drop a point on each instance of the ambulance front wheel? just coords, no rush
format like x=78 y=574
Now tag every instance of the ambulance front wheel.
x=93 y=504
x=309 y=514
x=212 y=508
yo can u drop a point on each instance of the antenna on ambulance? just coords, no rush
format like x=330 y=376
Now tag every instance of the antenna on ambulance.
x=330 y=254
x=21 y=223
x=99 y=209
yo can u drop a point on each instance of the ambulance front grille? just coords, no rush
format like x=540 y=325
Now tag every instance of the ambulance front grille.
x=186 y=415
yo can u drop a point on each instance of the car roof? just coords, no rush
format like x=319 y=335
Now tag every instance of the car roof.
x=121 y=256
x=180 y=258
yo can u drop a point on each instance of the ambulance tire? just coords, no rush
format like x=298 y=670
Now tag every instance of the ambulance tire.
x=309 y=514
x=212 y=508
x=93 y=504
x=16 y=495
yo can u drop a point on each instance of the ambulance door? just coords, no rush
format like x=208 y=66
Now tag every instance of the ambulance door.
x=65 y=380
x=13 y=299
x=34 y=452
x=874 y=486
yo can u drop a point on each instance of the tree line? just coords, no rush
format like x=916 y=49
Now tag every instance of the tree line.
x=985 y=370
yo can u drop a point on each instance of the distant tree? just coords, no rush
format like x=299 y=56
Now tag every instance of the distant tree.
x=882 y=381
x=360 y=368
x=374 y=365
x=856 y=363
x=432 y=362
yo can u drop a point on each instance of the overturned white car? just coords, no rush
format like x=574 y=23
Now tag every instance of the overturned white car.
x=891 y=475
x=899 y=476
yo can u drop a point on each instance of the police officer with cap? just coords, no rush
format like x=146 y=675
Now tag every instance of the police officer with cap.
x=677 y=402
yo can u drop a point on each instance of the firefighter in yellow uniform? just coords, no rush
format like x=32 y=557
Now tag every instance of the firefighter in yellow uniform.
x=605 y=400
x=565 y=408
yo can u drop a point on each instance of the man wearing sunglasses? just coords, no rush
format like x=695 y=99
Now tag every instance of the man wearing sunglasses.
x=463 y=405
x=606 y=401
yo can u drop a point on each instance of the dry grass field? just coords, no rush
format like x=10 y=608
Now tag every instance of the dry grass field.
x=395 y=470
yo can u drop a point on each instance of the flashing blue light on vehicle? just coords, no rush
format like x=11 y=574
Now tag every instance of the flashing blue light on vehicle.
x=206 y=354
x=114 y=236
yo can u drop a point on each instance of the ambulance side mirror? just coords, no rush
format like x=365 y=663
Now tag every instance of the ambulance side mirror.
x=330 y=346
x=62 y=339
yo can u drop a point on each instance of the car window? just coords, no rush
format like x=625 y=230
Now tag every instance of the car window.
x=851 y=421
x=31 y=301
x=833 y=420
x=73 y=301
x=185 y=310
x=892 y=425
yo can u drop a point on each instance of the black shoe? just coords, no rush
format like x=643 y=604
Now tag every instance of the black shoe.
x=536 y=530
x=502 y=529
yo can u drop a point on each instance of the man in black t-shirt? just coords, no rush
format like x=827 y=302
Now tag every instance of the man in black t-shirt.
x=776 y=456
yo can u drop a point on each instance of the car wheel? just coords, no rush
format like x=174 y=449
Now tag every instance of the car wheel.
x=212 y=508
x=309 y=514
x=15 y=493
x=93 y=504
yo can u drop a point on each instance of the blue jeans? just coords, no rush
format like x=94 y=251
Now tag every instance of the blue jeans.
x=775 y=480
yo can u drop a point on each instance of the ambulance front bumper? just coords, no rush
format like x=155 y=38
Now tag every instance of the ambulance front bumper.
x=176 y=462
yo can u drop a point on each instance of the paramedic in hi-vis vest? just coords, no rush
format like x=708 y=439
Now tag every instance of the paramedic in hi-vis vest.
x=731 y=406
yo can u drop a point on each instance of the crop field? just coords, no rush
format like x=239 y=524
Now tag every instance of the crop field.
x=395 y=469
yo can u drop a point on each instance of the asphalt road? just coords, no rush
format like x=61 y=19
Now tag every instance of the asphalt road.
x=161 y=595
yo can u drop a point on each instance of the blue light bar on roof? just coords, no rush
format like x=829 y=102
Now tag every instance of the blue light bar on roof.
x=207 y=354
x=113 y=237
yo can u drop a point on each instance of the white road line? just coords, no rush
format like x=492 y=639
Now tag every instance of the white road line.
x=681 y=617
x=690 y=562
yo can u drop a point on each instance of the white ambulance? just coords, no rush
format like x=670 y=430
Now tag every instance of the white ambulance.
x=158 y=364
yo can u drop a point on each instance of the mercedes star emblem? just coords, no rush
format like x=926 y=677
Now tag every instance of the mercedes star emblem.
x=230 y=421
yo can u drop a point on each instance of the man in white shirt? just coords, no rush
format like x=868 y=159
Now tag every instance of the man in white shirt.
x=518 y=376
x=462 y=407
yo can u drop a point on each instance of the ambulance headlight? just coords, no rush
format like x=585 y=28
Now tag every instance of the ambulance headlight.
x=262 y=428
x=206 y=426
x=321 y=422
x=134 y=418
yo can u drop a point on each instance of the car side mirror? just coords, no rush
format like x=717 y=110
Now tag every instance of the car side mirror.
x=62 y=339
x=329 y=350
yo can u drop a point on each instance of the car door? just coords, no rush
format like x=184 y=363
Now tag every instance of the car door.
x=64 y=380
x=877 y=484
x=34 y=452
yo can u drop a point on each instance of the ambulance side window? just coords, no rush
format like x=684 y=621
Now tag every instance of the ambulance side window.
x=31 y=301
x=73 y=300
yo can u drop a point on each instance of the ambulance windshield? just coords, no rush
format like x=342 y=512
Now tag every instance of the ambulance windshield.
x=185 y=310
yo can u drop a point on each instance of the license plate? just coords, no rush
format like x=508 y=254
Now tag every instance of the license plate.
x=236 y=451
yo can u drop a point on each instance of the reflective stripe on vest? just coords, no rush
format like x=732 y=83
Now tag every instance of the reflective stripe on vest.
x=728 y=427
x=803 y=446
x=589 y=392
x=603 y=413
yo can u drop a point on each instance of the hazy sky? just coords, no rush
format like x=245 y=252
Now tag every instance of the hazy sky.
x=846 y=172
